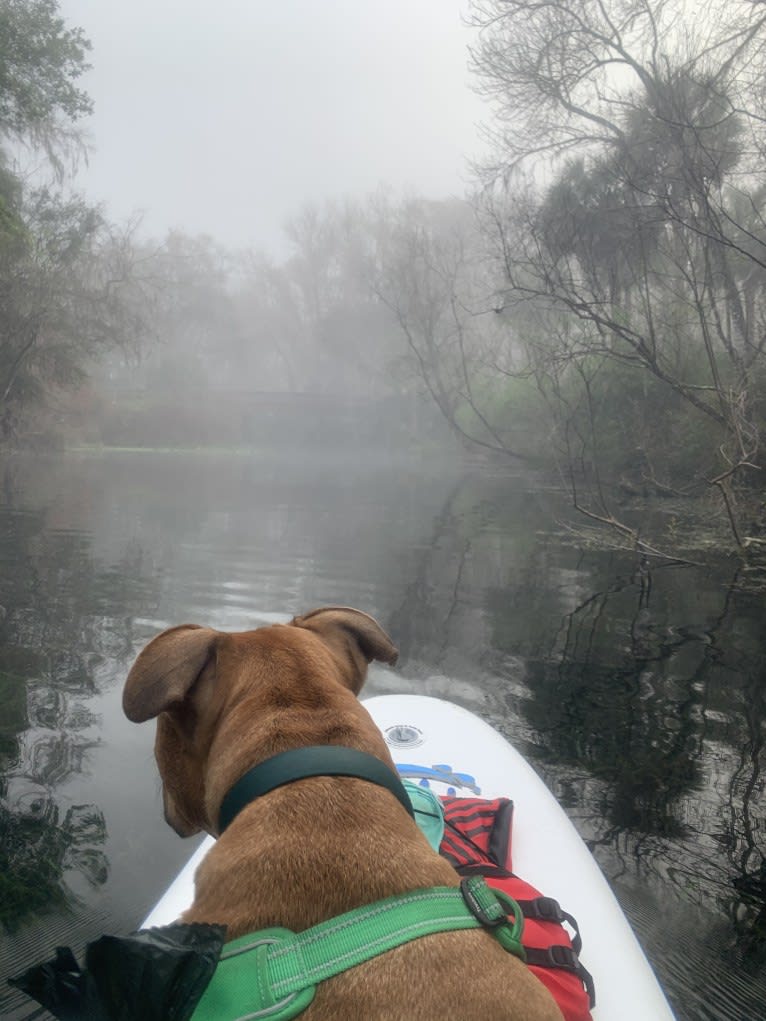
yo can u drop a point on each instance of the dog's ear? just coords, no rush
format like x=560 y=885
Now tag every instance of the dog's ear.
x=166 y=670
x=356 y=635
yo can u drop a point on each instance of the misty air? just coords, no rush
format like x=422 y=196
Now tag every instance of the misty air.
x=383 y=384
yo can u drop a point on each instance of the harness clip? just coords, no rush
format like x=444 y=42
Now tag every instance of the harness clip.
x=482 y=902
x=491 y=908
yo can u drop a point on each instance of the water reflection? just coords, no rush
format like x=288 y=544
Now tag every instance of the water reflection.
x=651 y=729
x=65 y=615
x=38 y=848
x=618 y=697
x=637 y=691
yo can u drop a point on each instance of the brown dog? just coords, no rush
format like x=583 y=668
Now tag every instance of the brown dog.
x=320 y=846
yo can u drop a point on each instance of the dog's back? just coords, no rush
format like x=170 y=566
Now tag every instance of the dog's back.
x=319 y=847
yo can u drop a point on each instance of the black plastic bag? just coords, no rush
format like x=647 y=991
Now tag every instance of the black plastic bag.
x=151 y=975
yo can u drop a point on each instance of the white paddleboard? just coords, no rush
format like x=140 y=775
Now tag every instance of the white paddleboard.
x=457 y=753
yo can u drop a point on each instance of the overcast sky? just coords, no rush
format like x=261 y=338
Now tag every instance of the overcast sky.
x=224 y=116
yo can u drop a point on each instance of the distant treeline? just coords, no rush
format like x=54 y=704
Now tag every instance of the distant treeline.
x=598 y=304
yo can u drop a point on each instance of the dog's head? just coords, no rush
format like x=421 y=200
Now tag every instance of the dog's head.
x=219 y=696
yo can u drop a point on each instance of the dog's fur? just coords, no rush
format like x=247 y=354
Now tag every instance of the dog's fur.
x=320 y=846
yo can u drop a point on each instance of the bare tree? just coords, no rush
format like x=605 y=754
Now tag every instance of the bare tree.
x=71 y=288
x=427 y=269
x=626 y=200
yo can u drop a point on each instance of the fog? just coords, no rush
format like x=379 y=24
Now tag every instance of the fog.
x=222 y=117
x=320 y=216
x=299 y=332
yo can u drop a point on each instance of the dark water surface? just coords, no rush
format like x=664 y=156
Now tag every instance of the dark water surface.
x=640 y=698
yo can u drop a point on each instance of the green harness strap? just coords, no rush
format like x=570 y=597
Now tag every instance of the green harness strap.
x=272 y=974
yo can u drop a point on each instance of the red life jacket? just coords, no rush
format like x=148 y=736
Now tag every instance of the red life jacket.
x=477 y=838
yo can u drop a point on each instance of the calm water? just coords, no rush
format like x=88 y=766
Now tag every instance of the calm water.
x=640 y=699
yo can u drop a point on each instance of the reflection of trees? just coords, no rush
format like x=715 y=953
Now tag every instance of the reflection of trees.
x=743 y=837
x=479 y=528
x=662 y=724
x=604 y=704
x=67 y=617
x=417 y=622
x=37 y=848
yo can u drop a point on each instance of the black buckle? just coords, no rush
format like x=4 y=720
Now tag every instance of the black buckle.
x=563 y=957
x=566 y=958
x=548 y=909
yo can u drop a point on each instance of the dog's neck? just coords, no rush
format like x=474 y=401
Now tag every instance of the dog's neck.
x=301 y=763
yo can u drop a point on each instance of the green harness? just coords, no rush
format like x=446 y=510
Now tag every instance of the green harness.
x=272 y=974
